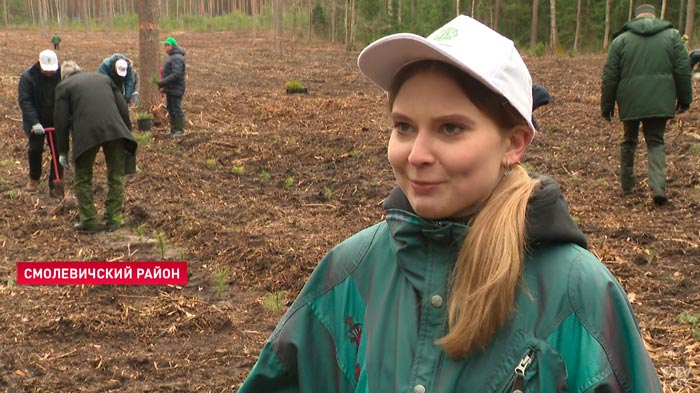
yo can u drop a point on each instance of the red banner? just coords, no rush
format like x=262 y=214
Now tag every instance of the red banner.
x=102 y=273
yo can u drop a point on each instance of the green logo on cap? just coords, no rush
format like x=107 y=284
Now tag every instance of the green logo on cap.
x=446 y=34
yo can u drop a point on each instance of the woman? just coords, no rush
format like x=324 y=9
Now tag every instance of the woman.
x=478 y=280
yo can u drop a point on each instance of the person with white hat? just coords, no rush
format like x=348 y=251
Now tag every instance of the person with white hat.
x=478 y=280
x=36 y=100
x=118 y=67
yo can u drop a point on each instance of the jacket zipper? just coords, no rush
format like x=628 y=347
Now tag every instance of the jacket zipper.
x=519 y=382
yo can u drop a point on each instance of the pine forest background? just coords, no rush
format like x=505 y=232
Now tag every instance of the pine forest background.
x=546 y=26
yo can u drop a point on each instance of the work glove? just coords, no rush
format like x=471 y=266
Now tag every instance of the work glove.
x=63 y=160
x=607 y=115
x=38 y=129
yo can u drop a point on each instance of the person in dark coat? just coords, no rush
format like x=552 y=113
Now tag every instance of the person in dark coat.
x=647 y=72
x=118 y=68
x=173 y=85
x=36 y=100
x=92 y=107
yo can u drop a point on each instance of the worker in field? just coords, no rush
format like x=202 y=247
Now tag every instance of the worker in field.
x=91 y=112
x=36 y=100
x=56 y=41
x=647 y=72
x=173 y=85
x=118 y=67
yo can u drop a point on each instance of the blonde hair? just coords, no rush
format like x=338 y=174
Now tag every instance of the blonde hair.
x=69 y=68
x=490 y=262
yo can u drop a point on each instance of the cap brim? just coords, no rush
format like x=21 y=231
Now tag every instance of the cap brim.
x=49 y=67
x=121 y=73
x=382 y=60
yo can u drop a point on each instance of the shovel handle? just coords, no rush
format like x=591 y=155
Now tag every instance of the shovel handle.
x=54 y=159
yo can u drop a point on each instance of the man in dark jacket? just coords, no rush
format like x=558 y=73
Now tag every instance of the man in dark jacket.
x=92 y=106
x=647 y=72
x=173 y=85
x=36 y=99
x=118 y=68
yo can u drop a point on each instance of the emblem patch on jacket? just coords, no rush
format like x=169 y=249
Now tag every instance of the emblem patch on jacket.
x=354 y=333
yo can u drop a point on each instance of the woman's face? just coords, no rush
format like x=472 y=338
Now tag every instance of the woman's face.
x=446 y=154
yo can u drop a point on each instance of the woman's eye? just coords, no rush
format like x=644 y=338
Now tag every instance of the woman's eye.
x=452 y=129
x=403 y=128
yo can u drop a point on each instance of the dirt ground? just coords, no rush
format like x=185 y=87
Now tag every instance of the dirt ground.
x=263 y=185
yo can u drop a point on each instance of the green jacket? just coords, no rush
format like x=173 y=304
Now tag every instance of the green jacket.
x=369 y=315
x=647 y=71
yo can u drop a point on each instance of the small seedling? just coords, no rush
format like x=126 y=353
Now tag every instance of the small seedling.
x=154 y=79
x=264 y=175
x=211 y=163
x=691 y=319
x=238 y=169
x=5 y=163
x=354 y=153
x=327 y=193
x=221 y=278
x=160 y=238
x=141 y=230
x=143 y=138
x=143 y=115
x=274 y=301
x=295 y=87
x=288 y=182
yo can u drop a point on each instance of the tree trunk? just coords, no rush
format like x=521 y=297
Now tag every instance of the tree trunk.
x=533 y=27
x=629 y=14
x=554 y=38
x=681 y=17
x=577 y=34
x=333 y=20
x=606 y=38
x=255 y=17
x=663 y=9
x=497 y=13
x=277 y=17
x=690 y=22
x=7 y=24
x=457 y=7
x=149 y=53
x=353 y=23
x=86 y=18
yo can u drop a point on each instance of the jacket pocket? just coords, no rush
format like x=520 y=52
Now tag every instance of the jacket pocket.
x=517 y=380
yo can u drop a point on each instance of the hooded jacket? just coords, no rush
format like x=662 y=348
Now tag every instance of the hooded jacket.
x=127 y=83
x=174 y=71
x=647 y=71
x=93 y=108
x=369 y=315
x=35 y=95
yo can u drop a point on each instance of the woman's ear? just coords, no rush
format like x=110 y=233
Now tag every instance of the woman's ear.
x=518 y=141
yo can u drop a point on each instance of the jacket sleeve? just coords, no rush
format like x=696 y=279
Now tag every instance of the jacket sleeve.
x=611 y=79
x=121 y=104
x=26 y=100
x=681 y=73
x=61 y=117
x=129 y=83
x=269 y=375
x=616 y=345
x=177 y=71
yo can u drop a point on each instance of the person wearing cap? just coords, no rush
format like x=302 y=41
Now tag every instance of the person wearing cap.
x=36 y=100
x=119 y=69
x=647 y=72
x=173 y=85
x=91 y=113
x=477 y=279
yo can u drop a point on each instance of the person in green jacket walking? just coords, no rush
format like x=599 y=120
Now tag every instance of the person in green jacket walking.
x=478 y=280
x=647 y=71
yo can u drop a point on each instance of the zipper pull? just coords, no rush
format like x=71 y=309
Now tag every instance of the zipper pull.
x=519 y=382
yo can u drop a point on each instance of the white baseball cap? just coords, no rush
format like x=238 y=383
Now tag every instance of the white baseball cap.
x=48 y=61
x=464 y=43
x=122 y=66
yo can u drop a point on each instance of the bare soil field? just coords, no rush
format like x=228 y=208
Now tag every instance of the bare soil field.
x=263 y=185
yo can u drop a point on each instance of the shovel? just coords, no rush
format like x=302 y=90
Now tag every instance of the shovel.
x=58 y=189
